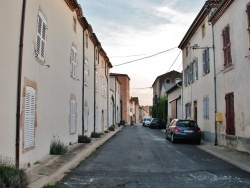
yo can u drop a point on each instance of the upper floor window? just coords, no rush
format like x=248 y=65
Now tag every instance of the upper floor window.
x=41 y=37
x=195 y=63
x=168 y=80
x=206 y=63
x=248 y=19
x=73 y=61
x=74 y=24
x=86 y=40
x=96 y=55
x=86 y=72
x=227 y=46
x=96 y=81
x=203 y=28
x=186 y=49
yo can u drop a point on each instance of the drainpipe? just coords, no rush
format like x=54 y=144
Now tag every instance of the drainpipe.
x=95 y=87
x=106 y=73
x=19 y=82
x=83 y=84
x=215 y=92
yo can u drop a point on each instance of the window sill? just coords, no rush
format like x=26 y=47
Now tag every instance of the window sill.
x=228 y=68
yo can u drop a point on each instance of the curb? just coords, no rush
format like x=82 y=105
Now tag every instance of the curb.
x=61 y=170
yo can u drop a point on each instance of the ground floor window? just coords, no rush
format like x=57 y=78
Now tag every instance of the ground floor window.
x=230 y=126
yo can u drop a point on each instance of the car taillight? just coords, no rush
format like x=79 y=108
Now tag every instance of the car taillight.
x=176 y=129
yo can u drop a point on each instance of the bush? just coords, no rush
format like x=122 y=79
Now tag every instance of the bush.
x=57 y=147
x=83 y=139
x=11 y=176
x=112 y=128
x=51 y=186
x=95 y=135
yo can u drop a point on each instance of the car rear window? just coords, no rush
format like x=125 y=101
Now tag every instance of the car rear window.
x=186 y=123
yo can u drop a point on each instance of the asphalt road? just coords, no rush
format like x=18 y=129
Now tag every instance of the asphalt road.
x=141 y=157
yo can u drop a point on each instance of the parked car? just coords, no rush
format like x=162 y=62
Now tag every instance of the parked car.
x=146 y=121
x=155 y=122
x=183 y=130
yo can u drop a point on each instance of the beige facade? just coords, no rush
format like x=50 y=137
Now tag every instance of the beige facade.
x=57 y=80
x=115 y=100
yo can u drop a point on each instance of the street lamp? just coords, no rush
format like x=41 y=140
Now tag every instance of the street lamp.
x=194 y=47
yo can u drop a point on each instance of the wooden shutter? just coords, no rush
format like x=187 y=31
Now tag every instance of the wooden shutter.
x=227 y=46
x=29 y=118
x=230 y=124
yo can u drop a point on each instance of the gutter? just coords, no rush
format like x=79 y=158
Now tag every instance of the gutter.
x=19 y=82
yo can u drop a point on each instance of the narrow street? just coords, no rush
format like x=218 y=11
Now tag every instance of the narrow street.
x=141 y=157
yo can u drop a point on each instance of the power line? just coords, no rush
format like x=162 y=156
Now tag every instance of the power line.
x=145 y=57
x=174 y=60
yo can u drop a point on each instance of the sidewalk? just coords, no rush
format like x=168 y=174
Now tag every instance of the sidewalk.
x=237 y=158
x=53 y=167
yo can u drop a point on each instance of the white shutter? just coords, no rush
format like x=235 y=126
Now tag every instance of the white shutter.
x=72 y=116
x=29 y=119
x=73 y=62
x=86 y=118
x=41 y=36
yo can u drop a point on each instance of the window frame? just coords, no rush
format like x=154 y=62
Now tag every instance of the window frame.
x=227 y=46
x=41 y=34
x=73 y=61
x=206 y=61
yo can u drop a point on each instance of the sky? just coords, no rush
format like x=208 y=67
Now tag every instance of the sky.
x=141 y=37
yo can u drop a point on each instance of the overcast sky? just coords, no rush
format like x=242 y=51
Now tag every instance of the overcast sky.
x=132 y=29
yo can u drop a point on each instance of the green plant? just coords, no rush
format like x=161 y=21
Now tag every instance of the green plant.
x=83 y=139
x=57 y=147
x=51 y=186
x=95 y=135
x=112 y=128
x=11 y=176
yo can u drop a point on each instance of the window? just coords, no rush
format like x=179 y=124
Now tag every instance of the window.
x=203 y=27
x=227 y=46
x=29 y=118
x=72 y=116
x=206 y=108
x=188 y=110
x=73 y=62
x=74 y=24
x=86 y=118
x=86 y=72
x=191 y=80
x=96 y=55
x=186 y=49
x=41 y=37
x=96 y=81
x=248 y=19
x=102 y=87
x=230 y=127
x=185 y=77
x=196 y=68
x=206 y=64
x=87 y=40
x=167 y=80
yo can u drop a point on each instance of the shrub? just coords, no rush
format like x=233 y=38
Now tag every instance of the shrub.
x=83 y=139
x=95 y=135
x=57 y=147
x=112 y=128
x=51 y=186
x=11 y=176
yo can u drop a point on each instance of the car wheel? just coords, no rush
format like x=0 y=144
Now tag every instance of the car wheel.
x=198 y=142
x=172 y=138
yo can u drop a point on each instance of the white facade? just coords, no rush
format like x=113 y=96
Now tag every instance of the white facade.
x=115 y=100
x=233 y=79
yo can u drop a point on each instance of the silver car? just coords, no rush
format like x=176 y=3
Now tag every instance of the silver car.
x=183 y=130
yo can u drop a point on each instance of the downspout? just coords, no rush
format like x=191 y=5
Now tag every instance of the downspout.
x=94 y=88
x=115 y=112
x=106 y=73
x=19 y=82
x=215 y=93
x=83 y=84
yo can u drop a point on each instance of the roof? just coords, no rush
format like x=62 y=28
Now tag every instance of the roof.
x=170 y=74
x=174 y=87
x=135 y=99
x=118 y=74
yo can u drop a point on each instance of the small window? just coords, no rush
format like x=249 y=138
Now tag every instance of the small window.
x=29 y=118
x=73 y=58
x=74 y=24
x=41 y=37
x=203 y=27
x=86 y=40
x=186 y=49
x=248 y=20
x=168 y=80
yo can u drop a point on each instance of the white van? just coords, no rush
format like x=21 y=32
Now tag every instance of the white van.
x=146 y=120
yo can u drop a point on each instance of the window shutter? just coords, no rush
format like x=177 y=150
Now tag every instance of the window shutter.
x=196 y=68
x=72 y=116
x=207 y=61
x=204 y=61
x=29 y=127
x=41 y=37
x=86 y=115
x=185 y=77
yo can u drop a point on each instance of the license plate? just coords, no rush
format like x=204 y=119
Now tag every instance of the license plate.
x=188 y=131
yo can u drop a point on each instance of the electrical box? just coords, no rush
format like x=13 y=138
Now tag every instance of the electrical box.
x=219 y=117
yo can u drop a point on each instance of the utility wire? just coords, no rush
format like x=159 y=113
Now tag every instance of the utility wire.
x=144 y=57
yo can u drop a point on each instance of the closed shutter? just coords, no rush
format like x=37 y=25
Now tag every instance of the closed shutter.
x=230 y=124
x=41 y=37
x=29 y=119
x=207 y=61
x=72 y=116
x=196 y=68
x=73 y=62
x=86 y=118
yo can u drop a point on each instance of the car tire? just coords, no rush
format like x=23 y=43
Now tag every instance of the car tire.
x=172 y=138
x=198 y=142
